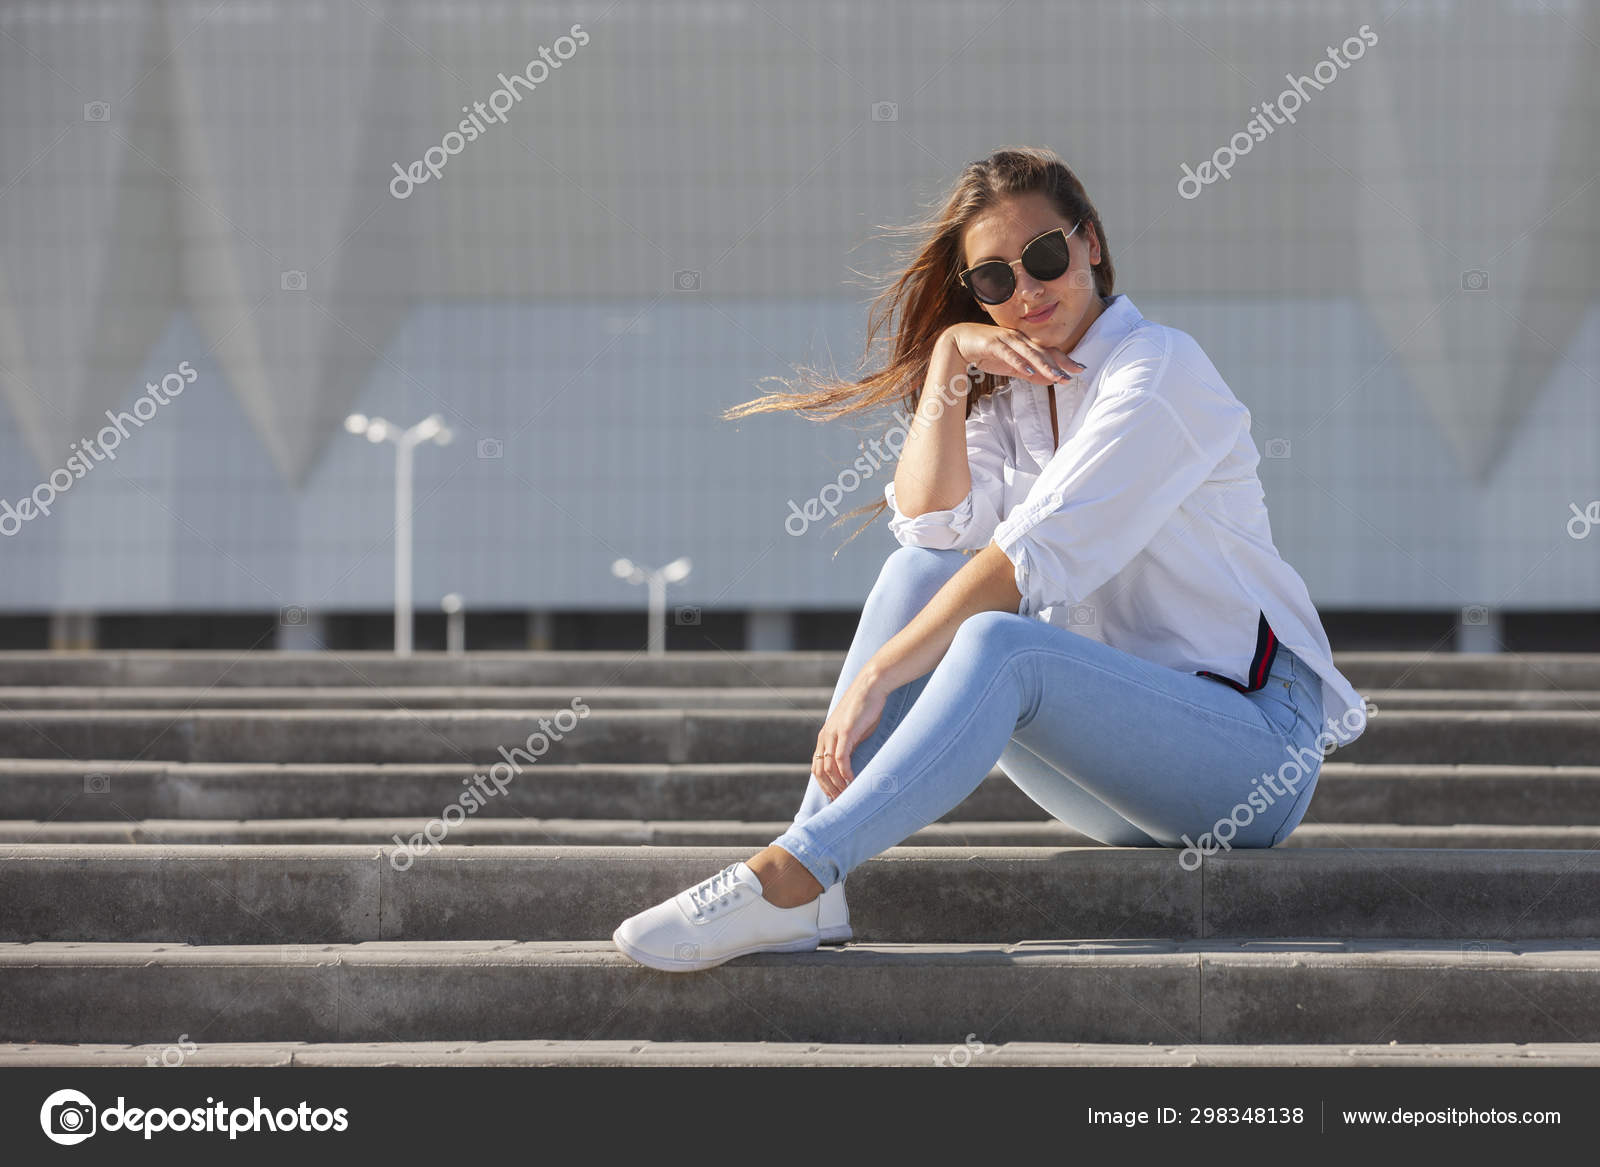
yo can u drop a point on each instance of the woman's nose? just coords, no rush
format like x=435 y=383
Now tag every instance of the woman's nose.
x=1027 y=287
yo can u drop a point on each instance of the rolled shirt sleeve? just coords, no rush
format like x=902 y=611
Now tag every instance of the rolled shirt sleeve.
x=1153 y=434
x=968 y=524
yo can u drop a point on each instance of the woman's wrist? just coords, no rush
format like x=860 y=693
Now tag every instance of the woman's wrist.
x=946 y=356
x=876 y=676
x=947 y=376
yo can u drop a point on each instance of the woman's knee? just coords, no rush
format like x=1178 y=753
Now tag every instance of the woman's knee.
x=916 y=561
x=995 y=632
x=919 y=570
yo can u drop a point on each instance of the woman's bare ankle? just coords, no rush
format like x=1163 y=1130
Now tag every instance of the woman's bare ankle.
x=785 y=882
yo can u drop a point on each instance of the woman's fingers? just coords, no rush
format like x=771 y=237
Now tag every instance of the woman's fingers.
x=842 y=761
x=1062 y=365
x=838 y=763
x=833 y=768
x=1057 y=362
x=819 y=771
x=1024 y=360
x=823 y=769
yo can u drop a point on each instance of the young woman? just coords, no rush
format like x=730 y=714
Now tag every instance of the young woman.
x=1086 y=590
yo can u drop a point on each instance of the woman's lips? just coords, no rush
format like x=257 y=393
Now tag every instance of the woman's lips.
x=1040 y=316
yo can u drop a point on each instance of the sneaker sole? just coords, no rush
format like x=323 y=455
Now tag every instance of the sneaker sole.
x=836 y=935
x=670 y=964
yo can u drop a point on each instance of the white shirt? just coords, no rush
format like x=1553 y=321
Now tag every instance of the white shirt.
x=1147 y=528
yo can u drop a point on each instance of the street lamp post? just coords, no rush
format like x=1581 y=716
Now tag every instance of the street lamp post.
x=455 y=624
x=375 y=430
x=657 y=580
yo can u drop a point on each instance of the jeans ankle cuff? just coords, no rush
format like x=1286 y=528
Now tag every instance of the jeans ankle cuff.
x=822 y=867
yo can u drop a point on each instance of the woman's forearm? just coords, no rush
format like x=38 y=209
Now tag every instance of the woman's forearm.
x=932 y=473
x=986 y=583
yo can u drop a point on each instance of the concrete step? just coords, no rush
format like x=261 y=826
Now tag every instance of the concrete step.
x=571 y=671
x=967 y=1051
x=574 y=671
x=717 y=833
x=98 y=789
x=537 y=699
x=812 y=698
x=1100 y=991
x=1546 y=738
x=1398 y=700
x=337 y=894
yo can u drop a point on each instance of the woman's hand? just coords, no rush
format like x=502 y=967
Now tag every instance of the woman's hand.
x=852 y=719
x=1005 y=352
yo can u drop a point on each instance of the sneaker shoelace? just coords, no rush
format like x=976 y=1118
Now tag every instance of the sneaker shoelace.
x=721 y=887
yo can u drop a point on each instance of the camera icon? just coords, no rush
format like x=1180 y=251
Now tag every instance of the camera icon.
x=685 y=951
x=1080 y=615
x=686 y=281
x=292 y=616
x=491 y=448
x=1475 y=614
x=1278 y=448
x=292 y=281
x=686 y=614
x=97 y=111
x=885 y=784
x=293 y=953
x=97 y=783
x=1475 y=280
x=68 y=1117
x=72 y=1118
x=1474 y=948
x=885 y=111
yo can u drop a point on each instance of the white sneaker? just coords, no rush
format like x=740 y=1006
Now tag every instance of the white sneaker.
x=716 y=920
x=833 y=916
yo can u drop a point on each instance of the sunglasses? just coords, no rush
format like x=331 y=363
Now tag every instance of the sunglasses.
x=1045 y=258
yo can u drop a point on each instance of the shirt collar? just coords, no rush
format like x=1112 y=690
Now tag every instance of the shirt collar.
x=1119 y=318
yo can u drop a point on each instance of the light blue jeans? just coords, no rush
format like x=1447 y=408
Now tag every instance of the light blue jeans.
x=1126 y=751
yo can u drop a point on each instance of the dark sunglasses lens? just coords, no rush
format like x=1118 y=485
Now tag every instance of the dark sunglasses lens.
x=1047 y=257
x=992 y=282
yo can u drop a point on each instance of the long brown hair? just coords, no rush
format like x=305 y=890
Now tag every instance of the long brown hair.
x=927 y=295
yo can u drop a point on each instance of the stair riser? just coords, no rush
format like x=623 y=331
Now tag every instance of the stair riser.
x=812 y=699
x=909 y=894
x=142 y=790
x=818 y=997
x=608 y=833
x=1366 y=671
x=482 y=738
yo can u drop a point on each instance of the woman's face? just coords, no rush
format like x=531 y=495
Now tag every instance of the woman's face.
x=1063 y=308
